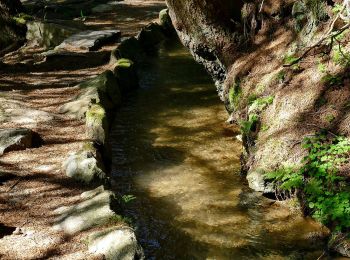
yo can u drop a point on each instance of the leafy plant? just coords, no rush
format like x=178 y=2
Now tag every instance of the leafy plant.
x=327 y=194
x=128 y=198
x=260 y=104
x=332 y=80
x=248 y=125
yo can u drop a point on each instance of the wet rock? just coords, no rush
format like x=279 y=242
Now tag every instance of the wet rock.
x=97 y=124
x=48 y=34
x=93 y=211
x=102 y=89
x=129 y=48
x=151 y=35
x=16 y=139
x=125 y=72
x=257 y=182
x=85 y=165
x=115 y=243
x=88 y=40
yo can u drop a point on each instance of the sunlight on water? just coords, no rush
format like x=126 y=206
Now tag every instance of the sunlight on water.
x=173 y=150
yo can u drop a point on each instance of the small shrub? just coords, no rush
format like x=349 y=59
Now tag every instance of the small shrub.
x=327 y=194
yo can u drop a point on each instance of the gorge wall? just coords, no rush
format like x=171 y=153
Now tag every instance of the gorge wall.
x=281 y=68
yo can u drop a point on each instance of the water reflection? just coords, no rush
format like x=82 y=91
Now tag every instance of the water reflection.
x=173 y=151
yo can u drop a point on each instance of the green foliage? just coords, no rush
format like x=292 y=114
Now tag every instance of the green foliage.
x=337 y=8
x=235 y=95
x=321 y=67
x=247 y=125
x=290 y=59
x=332 y=80
x=260 y=104
x=341 y=56
x=281 y=76
x=128 y=198
x=330 y=118
x=327 y=194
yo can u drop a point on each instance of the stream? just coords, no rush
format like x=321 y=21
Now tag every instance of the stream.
x=173 y=151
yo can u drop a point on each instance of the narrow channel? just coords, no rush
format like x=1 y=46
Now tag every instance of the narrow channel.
x=173 y=150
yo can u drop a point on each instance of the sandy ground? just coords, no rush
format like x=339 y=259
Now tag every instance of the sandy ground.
x=33 y=185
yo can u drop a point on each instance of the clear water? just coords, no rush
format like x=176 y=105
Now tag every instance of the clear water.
x=174 y=152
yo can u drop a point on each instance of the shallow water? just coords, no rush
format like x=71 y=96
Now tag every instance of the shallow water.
x=174 y=152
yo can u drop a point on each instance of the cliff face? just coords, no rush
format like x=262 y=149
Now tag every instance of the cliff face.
x=11 y=34
x=245 y=47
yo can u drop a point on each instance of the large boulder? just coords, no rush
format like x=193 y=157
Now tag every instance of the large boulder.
x=48 y=34
x=126 y=74
x=16 y=139
x=115 y=243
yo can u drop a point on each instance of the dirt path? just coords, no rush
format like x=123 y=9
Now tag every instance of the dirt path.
x=32 y=184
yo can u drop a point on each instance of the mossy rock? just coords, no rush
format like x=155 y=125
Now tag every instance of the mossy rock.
x=103 y=89
x=129 y=48
x=125 y=72
x=151 y=36
x=165 y=22
x=97 y=124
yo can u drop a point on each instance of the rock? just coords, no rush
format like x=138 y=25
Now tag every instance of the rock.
x=93 y=211
x=257 y=182
x=129 y=48
x=165 y=22
x=97 y=124
x=104 y=8
x=88 y=40
x=85 y=165
x=115 y=243
x=65 y=60
x=150 y=36
x=126 y=75
x=342 y=244
x=48 y=34
x=16 y=139
x=102 y=89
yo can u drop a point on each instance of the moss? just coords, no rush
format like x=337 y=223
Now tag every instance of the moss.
x=96 y=111
x=124 y=63
x=22 y=18
x=235 y=95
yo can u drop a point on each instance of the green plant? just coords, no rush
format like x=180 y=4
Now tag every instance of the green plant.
x=261 y=103
x=326 y=193
x=235 y=95
x=248 y=125
x=330 y=118
x=321 y=67
x=341 y=56
x=128 y=198
x=332 y=80
x=281 y=76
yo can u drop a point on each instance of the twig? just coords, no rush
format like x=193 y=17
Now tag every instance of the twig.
x=327 y=35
